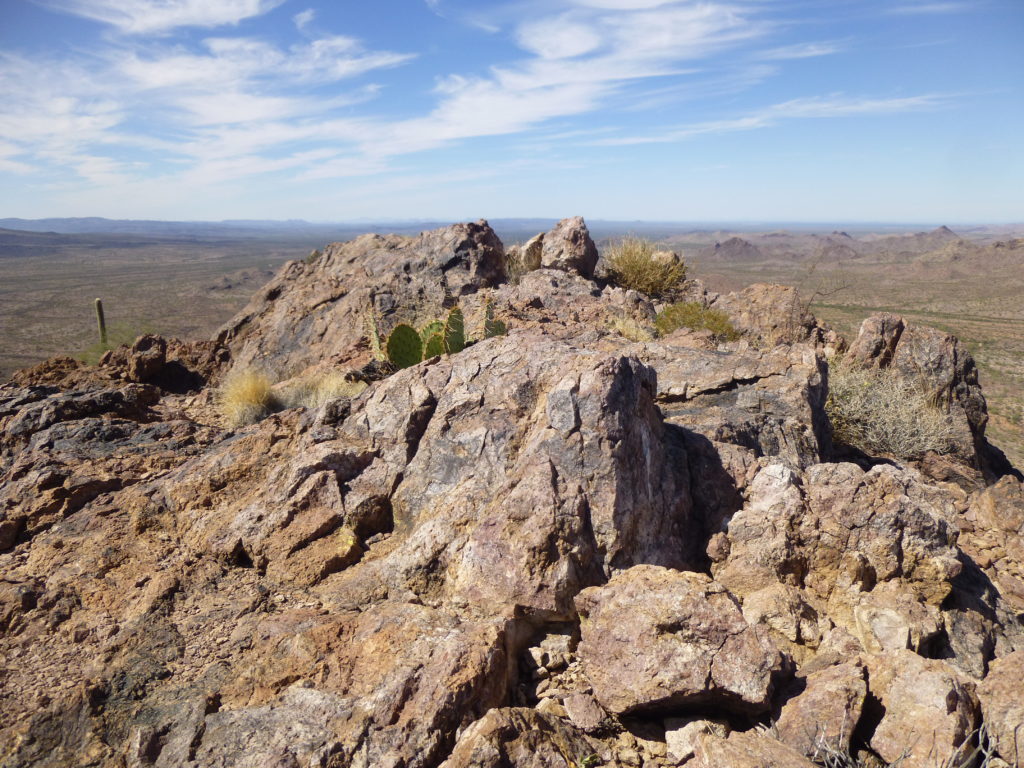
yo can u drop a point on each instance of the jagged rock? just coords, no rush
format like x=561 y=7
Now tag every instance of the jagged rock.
x=147 y=358
x=930 y=709
x=568 y=247
x=584 y=711
x=310 y=313
x=794 y=625
x=748 y=749
x=1003 y=706
x=773 y=314
x=826 y=712
x=771 y=403
x=939 y=363
x=876 y=342
x=374 y=581
x=871 y=550
x=653 y=638
x=681 y=735
x=993 y=535
x=522 y=738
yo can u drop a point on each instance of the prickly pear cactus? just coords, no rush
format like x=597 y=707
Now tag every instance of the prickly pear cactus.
x=374 y=335
x=430 y=329
x=492 y=327
x=404 y=346
x=454 y=332
x=434 y=346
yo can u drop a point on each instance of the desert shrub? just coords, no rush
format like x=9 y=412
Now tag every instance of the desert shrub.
x=635 y=263
x=245 y=396
x=882 y=412
x=694 y=315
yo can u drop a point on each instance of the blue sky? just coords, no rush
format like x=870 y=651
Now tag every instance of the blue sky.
x=755 y=110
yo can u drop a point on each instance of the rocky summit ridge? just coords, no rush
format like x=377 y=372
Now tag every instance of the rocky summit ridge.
x=562 y=547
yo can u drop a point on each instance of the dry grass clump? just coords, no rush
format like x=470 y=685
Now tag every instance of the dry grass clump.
x=694 y=315
x=881 y=412
x=314 y=391
x=631 y=329
x=245 y=397
x=635 y=263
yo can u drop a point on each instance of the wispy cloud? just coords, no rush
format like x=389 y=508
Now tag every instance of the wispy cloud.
x=833 y=106
x=158 y=16
x=232 y=105
x=800 y=51
x=914 y=9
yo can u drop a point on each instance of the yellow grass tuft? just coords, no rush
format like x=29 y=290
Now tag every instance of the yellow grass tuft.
x=245 y=397
x=314 y=391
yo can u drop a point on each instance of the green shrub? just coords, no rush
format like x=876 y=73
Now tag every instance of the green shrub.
x=635 y=263
x=881 y=412
x=694 y=315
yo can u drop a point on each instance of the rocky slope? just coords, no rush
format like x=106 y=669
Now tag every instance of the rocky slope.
x=557 y=548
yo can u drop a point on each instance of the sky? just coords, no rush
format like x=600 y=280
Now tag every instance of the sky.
x=657 y=110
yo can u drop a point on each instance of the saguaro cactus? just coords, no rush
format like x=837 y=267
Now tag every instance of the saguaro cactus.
x=101 y=324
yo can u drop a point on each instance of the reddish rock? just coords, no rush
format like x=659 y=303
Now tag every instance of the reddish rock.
x=930 y=708
x=824 y=715
x=748 y=749
x=653 y=639
x=1002 y=705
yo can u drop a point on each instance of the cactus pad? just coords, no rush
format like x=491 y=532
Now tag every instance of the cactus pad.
x=434 y=346
x=454 y=332
x=404 y=346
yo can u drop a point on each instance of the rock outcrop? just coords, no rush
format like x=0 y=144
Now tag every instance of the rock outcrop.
x=571 y=545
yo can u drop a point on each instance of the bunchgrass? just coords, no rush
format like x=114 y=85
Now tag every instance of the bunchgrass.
x=694 y=315
x=635 y=263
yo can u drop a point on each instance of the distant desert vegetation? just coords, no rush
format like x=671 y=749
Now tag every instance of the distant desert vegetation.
x=186 y=280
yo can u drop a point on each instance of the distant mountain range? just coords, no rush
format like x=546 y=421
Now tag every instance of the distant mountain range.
x=509 y=229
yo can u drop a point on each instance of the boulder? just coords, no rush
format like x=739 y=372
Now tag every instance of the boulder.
x=657 y=639
x=825 y=713
x=941 y=365
x=748 y=749
x=147 y=358
x=929 y=709
x=772 y=314
x=681 y=735
x=520 y=738
x=568 y=247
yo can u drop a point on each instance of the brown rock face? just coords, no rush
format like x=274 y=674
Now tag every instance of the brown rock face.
x=523 y=738
x=315 y=312
x=993 y=535
x=826 y=712
x=930 y=708
x=871 y=550
x=1003 y=706
x=653 y=638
